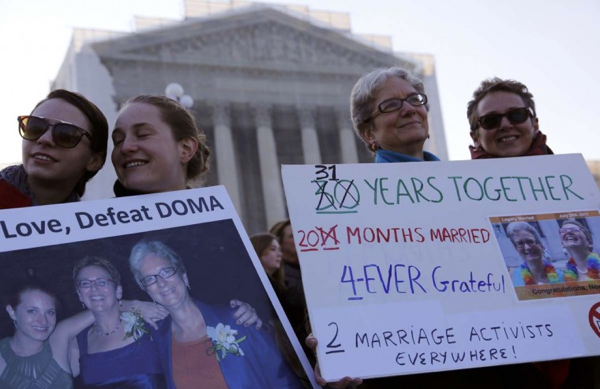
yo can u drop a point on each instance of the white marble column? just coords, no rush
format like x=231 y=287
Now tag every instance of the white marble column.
x=310 y=139
x=270 y=170
x=347 y=136
x=225 y=152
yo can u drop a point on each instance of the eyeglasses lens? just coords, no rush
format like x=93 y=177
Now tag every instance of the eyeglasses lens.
x=63 y=134
x=31 y=128
x=528 y=242
x=66 y=135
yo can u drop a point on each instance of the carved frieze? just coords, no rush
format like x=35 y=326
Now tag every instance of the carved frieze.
x=260 y=43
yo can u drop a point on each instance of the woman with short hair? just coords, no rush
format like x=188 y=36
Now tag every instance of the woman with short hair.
x=201 y=345
x=389 y=113
x=537 y=268
x=583 y=263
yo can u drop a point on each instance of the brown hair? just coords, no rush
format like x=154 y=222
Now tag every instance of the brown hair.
x=99 y=130
x=183 y=125
x=261 y=243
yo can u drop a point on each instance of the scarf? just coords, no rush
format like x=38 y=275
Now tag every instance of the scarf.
x=387 y=156
x=538 y=147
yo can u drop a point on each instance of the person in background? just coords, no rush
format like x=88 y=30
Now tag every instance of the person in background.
x=537 y=268
x=583 y=263
x=268 y=251
x=293 y=299
x=64 y=145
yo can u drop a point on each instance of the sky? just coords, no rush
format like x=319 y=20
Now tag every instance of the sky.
x=552 y=46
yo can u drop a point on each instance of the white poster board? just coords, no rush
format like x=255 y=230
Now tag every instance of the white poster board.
x=406 y=267
x=201 y=225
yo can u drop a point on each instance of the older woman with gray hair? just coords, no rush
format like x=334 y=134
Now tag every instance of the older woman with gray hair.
x=536 y=267
x=201 y=345
x=389 y=113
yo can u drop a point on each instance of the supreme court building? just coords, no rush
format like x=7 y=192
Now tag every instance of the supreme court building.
x=270 y=85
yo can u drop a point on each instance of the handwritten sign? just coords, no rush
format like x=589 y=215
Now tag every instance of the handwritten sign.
x=201 y=225
x=406 y=268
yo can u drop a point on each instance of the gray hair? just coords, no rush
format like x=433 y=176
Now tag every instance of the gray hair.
x=514 y=227
x=142 y=249
x=362 y=98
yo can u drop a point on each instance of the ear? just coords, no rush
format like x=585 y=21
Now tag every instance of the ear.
x=186 y=281
x=96 y=162
x=187 y=149
x=79 y=295
x=475 y=136
x=11 y=312
x=536 y=125
x=119 y=292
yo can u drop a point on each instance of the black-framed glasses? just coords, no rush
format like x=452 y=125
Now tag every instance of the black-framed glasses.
x=98 y=282
x=391 y=105
x=514 y=116
x=64 y=134
x=165 y=273
x=528 y=242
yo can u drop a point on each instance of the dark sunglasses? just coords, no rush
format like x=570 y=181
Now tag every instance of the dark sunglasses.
x=64 y=134
x=514 y=116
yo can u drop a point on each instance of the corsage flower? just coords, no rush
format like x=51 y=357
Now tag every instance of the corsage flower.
x=224 y=341
x=134 y=324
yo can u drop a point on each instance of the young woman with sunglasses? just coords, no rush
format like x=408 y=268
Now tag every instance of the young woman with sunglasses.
x=504 y=124
x=64 y=146
x=503 y=121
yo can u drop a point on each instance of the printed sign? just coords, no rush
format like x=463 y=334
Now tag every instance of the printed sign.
x=218 y=265
x=408 y=268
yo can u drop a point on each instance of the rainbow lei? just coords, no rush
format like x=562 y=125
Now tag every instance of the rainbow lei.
x=527 y=276
x=593 y=268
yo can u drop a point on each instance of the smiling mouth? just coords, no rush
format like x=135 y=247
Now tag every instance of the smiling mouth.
x=43 y=157
x=134 y=164
x=410 y=124
x=38 y=328
x=508 y=139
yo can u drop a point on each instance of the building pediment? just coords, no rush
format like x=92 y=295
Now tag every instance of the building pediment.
x=259 y=37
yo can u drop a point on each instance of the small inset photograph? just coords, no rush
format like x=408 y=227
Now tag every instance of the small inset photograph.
x=551 y=255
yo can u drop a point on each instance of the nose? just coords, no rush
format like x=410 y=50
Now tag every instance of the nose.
x=129 y=145
x=160 y=281
x=46 y=137
x=407 y=109
x=504 y=123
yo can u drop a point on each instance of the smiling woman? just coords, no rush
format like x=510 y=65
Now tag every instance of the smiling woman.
x=503 y=121
x=64 y=146
x=389 y=113
x=158 y=146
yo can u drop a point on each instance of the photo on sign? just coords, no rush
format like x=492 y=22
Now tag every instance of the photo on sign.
x=551 y=255
x=208 y=261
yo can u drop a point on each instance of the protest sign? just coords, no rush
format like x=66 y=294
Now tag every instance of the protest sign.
x=407 y=268
x=200 y=225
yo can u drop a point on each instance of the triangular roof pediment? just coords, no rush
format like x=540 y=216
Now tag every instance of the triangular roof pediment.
x=257 y=37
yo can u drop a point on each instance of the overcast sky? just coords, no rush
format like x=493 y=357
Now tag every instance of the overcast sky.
x=550 y=45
